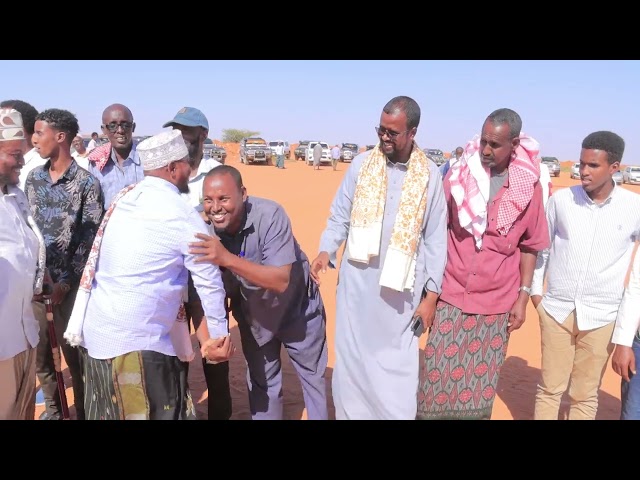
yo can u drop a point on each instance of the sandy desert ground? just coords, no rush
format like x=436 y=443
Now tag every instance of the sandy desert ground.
x=306 y=195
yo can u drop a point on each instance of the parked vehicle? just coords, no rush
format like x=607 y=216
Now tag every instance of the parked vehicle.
x=575 y=171
x=436 y=155
x=300 y=152
x=618 y=177
x=553 y=164
x=348 y=151
x=631 y=175
x=255 y=150
x=326 y=153
x=216 y=152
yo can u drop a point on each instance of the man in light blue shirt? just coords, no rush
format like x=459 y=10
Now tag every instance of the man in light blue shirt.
x=116 y=164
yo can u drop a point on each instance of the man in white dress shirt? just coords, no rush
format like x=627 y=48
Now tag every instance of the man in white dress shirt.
x=21 y=246
x=626 y=337
x=132 y=362
x=32 y=158
x=592 y=229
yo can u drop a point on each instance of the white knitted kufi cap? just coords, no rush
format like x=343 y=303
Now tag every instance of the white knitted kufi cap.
x=10 y=125
x=162 y=149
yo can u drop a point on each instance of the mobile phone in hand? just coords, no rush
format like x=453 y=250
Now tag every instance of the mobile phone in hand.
x=417 y=326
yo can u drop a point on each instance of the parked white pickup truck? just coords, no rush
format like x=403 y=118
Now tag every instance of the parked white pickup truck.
x=326 y=153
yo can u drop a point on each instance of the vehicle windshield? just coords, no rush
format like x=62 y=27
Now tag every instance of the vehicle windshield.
x=350 y=146
x=434 y=152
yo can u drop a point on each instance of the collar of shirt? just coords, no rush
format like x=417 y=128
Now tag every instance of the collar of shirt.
x=206 y=165
x=133 y=156
x=42 y=173
x=160 y=183
x=591 y=203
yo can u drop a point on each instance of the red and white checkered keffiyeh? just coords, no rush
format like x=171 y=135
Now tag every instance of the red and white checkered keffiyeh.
x=100 y=155
x=470 y=183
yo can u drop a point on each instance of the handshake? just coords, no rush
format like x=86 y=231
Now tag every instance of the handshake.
x=217 y=350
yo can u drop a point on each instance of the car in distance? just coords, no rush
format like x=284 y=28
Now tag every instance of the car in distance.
x=255 y=150
x=553 y=164
x=348 y=151
x=300 y=152
x=436 y=155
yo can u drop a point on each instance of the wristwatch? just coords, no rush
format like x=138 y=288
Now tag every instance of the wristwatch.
x=527 y=290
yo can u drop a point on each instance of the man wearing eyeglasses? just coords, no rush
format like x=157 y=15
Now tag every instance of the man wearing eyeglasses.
x=391 y=213
x=116 y=164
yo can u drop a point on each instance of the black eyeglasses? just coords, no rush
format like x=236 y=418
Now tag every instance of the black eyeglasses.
x=113 y=126
x=381 y=131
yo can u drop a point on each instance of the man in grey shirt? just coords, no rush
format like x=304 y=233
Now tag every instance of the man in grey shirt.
x=266 y=277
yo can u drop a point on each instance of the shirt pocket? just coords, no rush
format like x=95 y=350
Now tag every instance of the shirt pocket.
x=504 y=245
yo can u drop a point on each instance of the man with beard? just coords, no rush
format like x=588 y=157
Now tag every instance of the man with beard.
x=390 y=212
x=22 y=263
x=128 y=318
x=66 y=203
x=194 y=126
x=116 y=164
x=32 y=159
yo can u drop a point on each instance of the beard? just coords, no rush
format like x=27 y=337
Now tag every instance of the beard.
x=184 y=187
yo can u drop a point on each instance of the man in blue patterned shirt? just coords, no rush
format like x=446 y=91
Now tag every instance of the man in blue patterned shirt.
x=67 y=204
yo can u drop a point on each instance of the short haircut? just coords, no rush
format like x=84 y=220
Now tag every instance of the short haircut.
x=62 y=121
x=27 y=111
x=610 y=142
x=407 y=105
x=508 y=116
x=94 y=133
x=229 y=170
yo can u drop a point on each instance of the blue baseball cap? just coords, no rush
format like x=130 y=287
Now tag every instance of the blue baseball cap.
x=189 y=117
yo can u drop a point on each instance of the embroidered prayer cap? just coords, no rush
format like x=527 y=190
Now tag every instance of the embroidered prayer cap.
x=162 y=149
x=11 y=125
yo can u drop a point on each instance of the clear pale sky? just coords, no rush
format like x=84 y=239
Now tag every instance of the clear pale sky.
x=560 y=101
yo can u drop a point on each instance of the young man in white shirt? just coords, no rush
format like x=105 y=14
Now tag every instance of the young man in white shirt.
x=592 y=229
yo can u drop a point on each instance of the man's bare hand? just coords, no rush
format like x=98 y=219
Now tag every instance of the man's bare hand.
x=319 y=264
x=623 y=362
x=217 y=350
x=210 y=250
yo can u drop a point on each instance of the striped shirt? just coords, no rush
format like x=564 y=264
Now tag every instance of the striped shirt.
x=591 y=247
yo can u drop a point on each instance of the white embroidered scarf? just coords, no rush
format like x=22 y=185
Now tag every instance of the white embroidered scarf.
x=180 y=335
x=398 y=271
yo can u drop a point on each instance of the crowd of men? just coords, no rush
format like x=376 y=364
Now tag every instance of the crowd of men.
x=117 y=252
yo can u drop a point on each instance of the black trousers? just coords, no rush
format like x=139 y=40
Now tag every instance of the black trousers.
x=45 y=369
x=219 y=392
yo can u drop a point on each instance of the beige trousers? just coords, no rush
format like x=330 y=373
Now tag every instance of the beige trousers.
x=18 y=386
x=570 y=356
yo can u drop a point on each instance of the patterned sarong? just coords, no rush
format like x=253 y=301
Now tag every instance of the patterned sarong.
x=141 y=385
x=461 y=364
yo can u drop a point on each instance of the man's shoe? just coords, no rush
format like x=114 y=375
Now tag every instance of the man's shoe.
x=50 y=416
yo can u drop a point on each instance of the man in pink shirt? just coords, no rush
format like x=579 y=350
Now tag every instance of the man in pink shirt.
x=496 y=227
